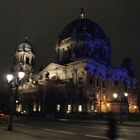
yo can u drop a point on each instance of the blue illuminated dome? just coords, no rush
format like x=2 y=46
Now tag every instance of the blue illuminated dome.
x=83 y=24
x=83 y=38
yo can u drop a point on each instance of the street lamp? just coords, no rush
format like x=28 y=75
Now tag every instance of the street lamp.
x=115 y=95
x=13 y=82
x=21 y=75
x=126 y=94
x=9 y=78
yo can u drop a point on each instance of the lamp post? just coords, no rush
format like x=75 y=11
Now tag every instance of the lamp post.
x=121 y=106
x=115 y=96
x=13 y=82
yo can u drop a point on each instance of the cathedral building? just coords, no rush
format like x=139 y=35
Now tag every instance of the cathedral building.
x=82 y=79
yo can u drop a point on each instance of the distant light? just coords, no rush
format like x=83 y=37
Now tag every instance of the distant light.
x=24 y=111
x=115 y=95
x=135 y=106
x=125 y=94
x=108 y=104
x=16 y=101
x=95 y=110
x=80 y=108
x=82 y=15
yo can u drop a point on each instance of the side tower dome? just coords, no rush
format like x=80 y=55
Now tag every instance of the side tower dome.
x=83 y=38
x=24 y=57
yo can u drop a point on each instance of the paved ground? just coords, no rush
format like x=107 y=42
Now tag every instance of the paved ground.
x=65 y=130
x=14 y=135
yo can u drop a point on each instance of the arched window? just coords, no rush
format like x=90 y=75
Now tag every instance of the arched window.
x=27 y=60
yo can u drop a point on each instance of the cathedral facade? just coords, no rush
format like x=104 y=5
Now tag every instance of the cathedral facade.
x=82 y=79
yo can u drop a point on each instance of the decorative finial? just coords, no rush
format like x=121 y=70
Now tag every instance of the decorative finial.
x=82 y=13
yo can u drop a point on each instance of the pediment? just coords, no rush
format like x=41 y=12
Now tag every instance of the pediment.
x=53 y=66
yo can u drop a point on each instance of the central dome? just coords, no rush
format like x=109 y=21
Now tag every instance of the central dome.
x=83 y=24
x=83 y=38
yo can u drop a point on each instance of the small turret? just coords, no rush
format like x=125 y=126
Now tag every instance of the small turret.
x=24 y=57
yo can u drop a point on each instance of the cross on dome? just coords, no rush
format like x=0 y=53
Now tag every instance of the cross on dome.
x=82 y=13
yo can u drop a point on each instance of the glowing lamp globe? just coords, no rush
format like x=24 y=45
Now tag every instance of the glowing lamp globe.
x=9 y=77
x=126 y=94
x=21 y=75
x=115 y=95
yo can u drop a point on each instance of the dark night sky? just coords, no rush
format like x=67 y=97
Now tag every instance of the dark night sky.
x=43 y=20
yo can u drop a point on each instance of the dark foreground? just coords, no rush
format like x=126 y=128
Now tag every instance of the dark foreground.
x=63 y=130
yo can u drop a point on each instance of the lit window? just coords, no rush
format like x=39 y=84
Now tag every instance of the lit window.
x=104 y=97
x=80 y=108
x=39 y=108
x=58 y=107
x=97 y=96
x=34 y=107
x=18 y=108
x=69 y=109
x=92 y=108
x=135 y=106
x=108 y=104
